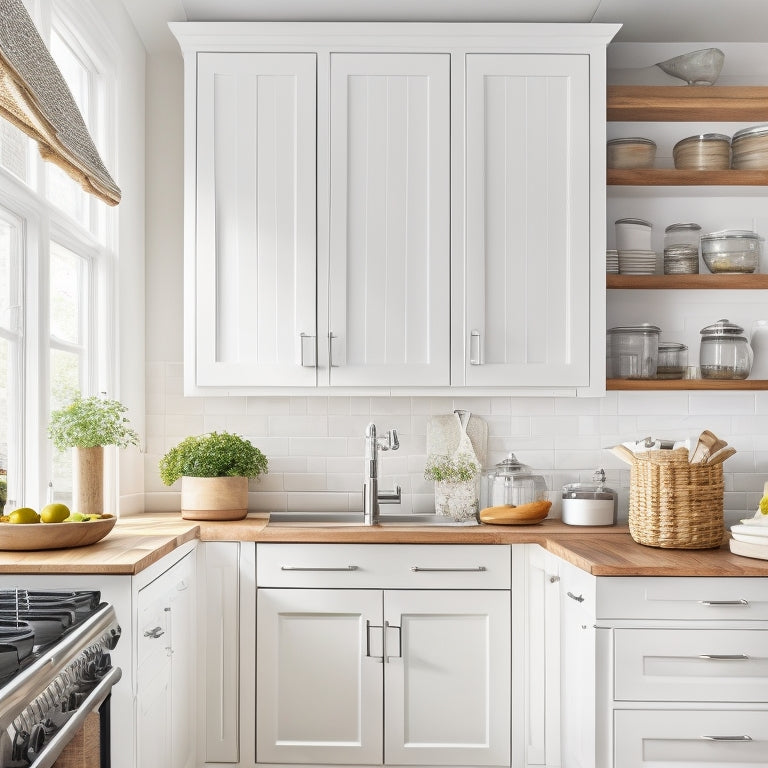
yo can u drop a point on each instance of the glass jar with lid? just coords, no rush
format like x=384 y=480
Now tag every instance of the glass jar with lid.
x=724 y=352
x=750 y=148
x=672 y=361
x=511 y=482
x=681 y=249
x=704 y=152
x=632 y=351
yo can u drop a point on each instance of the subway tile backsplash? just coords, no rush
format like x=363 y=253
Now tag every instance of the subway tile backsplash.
x=315 y=444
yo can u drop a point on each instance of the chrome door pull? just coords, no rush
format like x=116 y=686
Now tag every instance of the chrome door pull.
x=312 y=358
x=387 y=627
x=724 y=656
x=368 y=628
x=727 y=738
x=577 y=598
x=154 y=633
x=331 y=337
x=420 y=569
x=474 y=348
x=723 y=602
x=318 y=568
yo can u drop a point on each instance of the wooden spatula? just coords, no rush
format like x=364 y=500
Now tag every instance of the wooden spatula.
x=708 y=444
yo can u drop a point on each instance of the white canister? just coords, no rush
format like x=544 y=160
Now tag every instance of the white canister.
x=759 y=343
x=633 y=235
x=590 y=503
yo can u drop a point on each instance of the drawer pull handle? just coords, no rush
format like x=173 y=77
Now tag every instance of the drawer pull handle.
x=724 y=602
x=420 y=569
x=577 y=598
x=727 y=738
x=317 y=568
x=724 y=656
x=154 y=633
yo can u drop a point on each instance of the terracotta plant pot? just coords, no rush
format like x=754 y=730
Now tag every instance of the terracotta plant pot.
x=214 y=498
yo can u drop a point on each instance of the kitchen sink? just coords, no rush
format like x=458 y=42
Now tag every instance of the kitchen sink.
x=343 y=519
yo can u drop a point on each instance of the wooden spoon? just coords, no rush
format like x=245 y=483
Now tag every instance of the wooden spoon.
x=623 y=453
x=708 y=444
x=718 y=457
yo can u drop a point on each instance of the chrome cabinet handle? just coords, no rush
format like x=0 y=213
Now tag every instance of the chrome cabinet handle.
x=312 y=359
x=474 y=348
x=154 y=633
x=182 y=586
x=387 y=656
x=723 y=602
x=727 y=738
x=318 y=568
x=577 y=598
x=331 y=337
x=420 y=569
x=724 y=656
x=368 y=628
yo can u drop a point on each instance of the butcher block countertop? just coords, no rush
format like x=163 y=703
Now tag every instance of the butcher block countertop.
x=139 y=541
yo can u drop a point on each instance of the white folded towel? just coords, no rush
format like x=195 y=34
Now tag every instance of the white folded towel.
x=759 y=520
x=750 y=538
x=751 y=530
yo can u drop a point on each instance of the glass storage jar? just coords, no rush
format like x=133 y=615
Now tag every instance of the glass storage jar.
x=731 y=251
x=631 y=152
x=681 y=249
x=672 y=360
x=724 y=353
x=705 y=152
x=511 y=482
x=750 y=148
x=632 y=351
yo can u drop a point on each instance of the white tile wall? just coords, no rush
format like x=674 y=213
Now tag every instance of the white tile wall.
x=315 y=445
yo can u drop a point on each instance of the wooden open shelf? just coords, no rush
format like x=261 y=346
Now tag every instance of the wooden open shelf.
x=684 y=103
x=672 y=177
x=685 y=384
x=688 y=282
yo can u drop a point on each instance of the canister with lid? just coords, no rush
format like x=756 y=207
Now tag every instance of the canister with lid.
x=633 y=235
x=705 y=152
x=681 y=249
x=731 y=250
x=750 y=148
x=631 y=152
x=632 y=351
x=724 y=352
x=590 y=503
x=511 y=482
x=672 y=361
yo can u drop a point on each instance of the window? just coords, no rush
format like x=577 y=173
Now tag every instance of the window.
x=55 y=274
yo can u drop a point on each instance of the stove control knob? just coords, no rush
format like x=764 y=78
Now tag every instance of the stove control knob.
x=36 y=741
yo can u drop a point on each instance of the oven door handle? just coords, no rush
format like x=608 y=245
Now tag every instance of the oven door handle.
x=53 y=748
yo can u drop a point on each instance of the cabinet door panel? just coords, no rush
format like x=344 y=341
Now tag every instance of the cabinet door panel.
x=447 y=678
x=319 y=696
x=255 y=243
x=527 y=220
x=390 y=220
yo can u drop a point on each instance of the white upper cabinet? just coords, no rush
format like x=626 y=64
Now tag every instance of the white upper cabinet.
x=527 y=257
x=255 y=257
x=389 y=275
x=394 y=207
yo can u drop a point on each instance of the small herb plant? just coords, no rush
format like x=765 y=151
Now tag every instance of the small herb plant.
x=90 y=421
x=218 y=454
x=451 y=470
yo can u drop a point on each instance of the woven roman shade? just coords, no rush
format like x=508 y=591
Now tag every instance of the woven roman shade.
x=36 y=99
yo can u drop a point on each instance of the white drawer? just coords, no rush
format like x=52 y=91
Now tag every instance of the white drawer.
x=384 y=566
x=701 y=599
x=729 y=665
x=688 y=738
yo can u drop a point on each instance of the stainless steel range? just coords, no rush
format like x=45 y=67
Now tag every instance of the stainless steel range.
x=55 y=669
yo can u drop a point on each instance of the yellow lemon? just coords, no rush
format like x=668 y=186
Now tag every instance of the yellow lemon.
x=54 y=513
x=75 y=517
x=24 y=515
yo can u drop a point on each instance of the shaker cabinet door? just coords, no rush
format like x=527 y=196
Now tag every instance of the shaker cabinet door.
x=389 y=255
x=527 y=212
x=251 y=293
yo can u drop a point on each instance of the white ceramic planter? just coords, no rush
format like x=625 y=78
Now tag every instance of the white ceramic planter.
x=214 y=498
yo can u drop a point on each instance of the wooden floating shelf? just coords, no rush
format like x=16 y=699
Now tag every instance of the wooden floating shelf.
x=666 y=385
x=688 y=282
x=664 y=103
x=672 y=177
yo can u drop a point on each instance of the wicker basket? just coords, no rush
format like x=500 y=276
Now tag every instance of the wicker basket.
x=674 y=504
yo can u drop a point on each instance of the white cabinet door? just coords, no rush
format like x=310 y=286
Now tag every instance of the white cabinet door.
x=319 y=694
x=389 y=251
x=447 y=678
x=527 y=242
x=253 y=278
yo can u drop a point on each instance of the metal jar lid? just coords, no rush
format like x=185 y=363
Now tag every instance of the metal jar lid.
x=722 y=328
x=640 y=222
x=755 y=130
x=691 y=227
x=595 y=490
x=644 y=328
x=672 y=346
x=731 y=234
x=632 y=140
x=702 y=137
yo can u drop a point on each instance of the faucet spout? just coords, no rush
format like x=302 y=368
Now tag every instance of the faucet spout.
x=372 y=497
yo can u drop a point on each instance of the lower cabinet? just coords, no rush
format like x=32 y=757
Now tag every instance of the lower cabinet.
x=351 y=674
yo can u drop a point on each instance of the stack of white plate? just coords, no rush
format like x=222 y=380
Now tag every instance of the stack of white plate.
x=637 y=262
x=612 y=262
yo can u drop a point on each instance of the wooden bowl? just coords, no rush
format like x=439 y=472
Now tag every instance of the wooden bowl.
x=525 y=514
x=35 y=536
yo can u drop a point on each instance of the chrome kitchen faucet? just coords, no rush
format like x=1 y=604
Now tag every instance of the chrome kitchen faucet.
x=372 y=497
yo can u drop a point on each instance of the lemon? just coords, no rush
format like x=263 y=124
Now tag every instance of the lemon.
x=764 y=505
x=24 y=515
x=54 y=513
x=75 y=517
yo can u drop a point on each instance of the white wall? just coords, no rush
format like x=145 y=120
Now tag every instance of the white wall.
x=315 y=445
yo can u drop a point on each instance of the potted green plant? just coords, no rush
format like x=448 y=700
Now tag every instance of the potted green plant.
x=455 y=480
x=86 y=425
x=214 y=470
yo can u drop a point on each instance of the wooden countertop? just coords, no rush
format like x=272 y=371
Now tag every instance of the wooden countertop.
x=138 y=541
